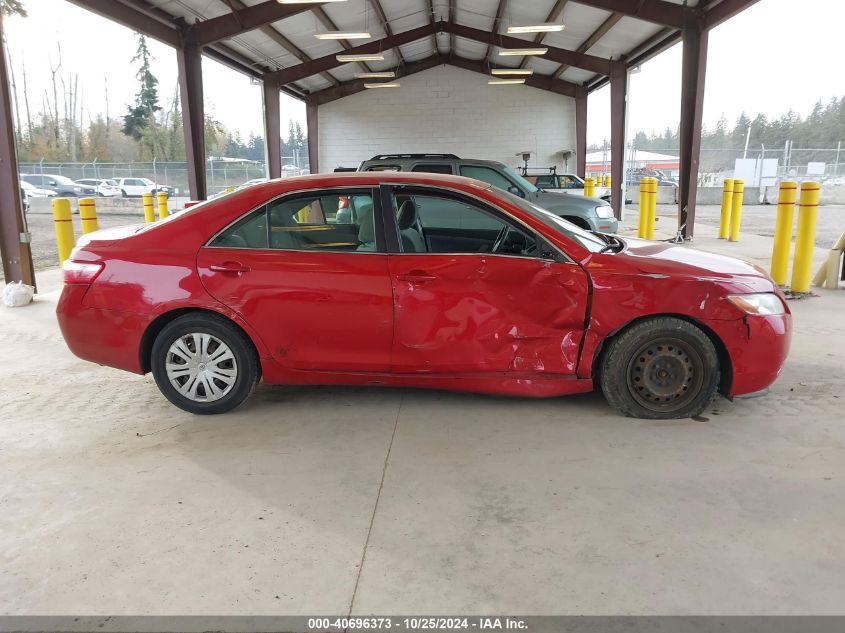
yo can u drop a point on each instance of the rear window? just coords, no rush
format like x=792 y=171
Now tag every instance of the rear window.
x=433 y=168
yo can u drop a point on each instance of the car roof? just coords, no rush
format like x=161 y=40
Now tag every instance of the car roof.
x=359 y=178
x=413 y=159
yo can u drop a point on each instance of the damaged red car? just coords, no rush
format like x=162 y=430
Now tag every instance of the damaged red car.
x=416 y=280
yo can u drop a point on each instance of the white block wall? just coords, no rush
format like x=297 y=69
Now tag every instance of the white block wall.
x=448 y=110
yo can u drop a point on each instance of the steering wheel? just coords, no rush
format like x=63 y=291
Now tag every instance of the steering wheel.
x=501 y=239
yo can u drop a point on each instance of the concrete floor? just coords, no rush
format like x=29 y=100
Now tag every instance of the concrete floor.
x=338 y=500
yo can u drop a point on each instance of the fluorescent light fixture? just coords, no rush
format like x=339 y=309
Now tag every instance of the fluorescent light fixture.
x=548 y=27
x=387 y=84
x=342 y=35
x=378 y=57
x=306 y=1
x=518 y=52
x=387 y=74
x=511 y=71
x=505 y=82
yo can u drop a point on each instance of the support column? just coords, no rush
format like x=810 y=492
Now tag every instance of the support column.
x=581 y=131
x=618 y=115
x=693 y=68
x=189 y=59
x=14 y=239
x=272 y=129
x=312 y=123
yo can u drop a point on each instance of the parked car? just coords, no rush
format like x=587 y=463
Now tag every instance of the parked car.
x=437 y=281
x=137 y=187
x=61 y=185
x=636 y=175
x=564 y=183
x=589 y=213
x=34 y=192
x=106 y=188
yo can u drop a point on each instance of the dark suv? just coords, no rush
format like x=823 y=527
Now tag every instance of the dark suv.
x=592 y=214
x=62 y=185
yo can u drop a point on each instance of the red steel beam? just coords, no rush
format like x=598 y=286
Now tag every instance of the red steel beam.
x=326 y=63
x=135 y=20
x=312 y=121
x=272 y=129
x=693 y=71
x=581 y=131
x=559 y=55
x=189 y=60
x=14 y=238
x=725 y=10
x=618 y=114
x=248 y=19
x=657 y=11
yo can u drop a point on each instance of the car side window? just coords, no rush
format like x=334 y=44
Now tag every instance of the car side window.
x=324 y=221
x=433 y=168
x=248 y=232
x=437 y=224
x=486 y=174
x=546 y=182
x=568 y=182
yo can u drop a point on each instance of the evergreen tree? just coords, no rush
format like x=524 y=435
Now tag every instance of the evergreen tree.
x=12 y=7
x=141 y=116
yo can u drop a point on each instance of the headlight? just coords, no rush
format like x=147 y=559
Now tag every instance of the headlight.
x=604 y=211
x=761 y=304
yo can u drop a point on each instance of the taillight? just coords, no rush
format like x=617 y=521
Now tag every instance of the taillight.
x=81 y=272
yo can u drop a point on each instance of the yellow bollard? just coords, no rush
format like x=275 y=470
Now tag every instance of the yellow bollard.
x=162 y=205
x=607 y=180
x=643 y=209
x=88 y=215
x=725 y=217
x=651 y=216
x=589 y=187
x=736 y=210
x=783 y=231
x=805 y=237
x=64 y=227
x=149 y=211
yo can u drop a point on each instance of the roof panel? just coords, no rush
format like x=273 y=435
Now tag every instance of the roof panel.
x=626 y=35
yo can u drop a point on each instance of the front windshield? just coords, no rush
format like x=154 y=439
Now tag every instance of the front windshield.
x=520 y=181
x=578 y=235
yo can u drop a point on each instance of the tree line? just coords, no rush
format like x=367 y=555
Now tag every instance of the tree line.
x=53 y=126
x=822 y=129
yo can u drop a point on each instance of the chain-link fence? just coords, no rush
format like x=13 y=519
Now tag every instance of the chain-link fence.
x=221 y=174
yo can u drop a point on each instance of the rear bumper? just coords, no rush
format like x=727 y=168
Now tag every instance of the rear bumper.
x=105 y=337
x=605 y=225
x=758 y=347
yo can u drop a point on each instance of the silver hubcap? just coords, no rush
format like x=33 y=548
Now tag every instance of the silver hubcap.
x=201 y=367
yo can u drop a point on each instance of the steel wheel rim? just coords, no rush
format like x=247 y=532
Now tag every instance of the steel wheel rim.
x=201 y=367
x=665 y=374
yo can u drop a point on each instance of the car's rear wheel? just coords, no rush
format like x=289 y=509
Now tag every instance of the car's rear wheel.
x=123 y=193
x=204 y=364
x=661 y=368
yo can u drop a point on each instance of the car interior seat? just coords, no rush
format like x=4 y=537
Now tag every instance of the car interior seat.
x=281 y=219
x=407 y=219
x=366 y=226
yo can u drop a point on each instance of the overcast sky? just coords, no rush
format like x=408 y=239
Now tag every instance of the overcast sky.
x=774 y=56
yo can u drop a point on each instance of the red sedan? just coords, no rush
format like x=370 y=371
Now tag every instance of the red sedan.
x=421 y=281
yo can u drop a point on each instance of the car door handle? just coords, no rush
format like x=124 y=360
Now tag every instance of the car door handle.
x=229 y=267
x=416 y=276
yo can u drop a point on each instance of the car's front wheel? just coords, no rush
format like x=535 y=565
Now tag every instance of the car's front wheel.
x=204 y=364
x=660 y=368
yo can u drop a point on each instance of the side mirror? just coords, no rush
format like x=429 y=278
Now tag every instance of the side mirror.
x=516 y=191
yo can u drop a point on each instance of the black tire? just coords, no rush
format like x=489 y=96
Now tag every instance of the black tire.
x=123 y=193
x=661 y=369
x=245 y=363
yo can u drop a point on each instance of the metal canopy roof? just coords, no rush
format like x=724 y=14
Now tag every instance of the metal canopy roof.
x=276 y=41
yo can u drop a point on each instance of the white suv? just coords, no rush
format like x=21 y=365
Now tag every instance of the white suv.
x=136 y=187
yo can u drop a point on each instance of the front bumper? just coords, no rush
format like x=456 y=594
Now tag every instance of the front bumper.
x=757 y=346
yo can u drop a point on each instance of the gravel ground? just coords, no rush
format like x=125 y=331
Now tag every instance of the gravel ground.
x=760 y=220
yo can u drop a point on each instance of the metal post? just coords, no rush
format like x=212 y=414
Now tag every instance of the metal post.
x=189 y=59
x=14 y=238
x=272 y=130
x=618 y=110
x=693 y=69
x=581 y=131
x=312 y=121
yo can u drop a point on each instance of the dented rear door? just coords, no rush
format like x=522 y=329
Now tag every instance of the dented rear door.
x=471 y=313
